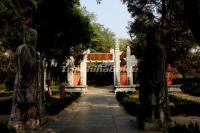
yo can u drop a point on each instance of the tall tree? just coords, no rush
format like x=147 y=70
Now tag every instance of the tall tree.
x=169 y=16
x=103 y=39
x=13 y=13
x=152 y=68
x=61 y=25
x=123 y=43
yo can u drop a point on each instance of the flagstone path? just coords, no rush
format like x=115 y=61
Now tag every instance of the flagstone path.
x=97 y=111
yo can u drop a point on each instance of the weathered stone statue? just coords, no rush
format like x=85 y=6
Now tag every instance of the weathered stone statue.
x=27 y=109
x=70 y=69
x=153 y=91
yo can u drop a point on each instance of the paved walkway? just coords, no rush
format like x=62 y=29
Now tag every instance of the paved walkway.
x=95 y=112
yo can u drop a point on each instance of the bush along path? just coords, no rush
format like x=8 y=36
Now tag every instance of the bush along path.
x=185 y=113
x=186 y=96
x=53 y=106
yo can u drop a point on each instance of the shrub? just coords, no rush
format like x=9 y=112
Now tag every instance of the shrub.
x=191 y=87
x=130 y=104
x=55 y=105
x=184 y=106
x=2 y=87
x=190 y=128
x=9 y=83
x=181 y=106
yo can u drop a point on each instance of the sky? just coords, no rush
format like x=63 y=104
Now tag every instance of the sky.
x=110 y=13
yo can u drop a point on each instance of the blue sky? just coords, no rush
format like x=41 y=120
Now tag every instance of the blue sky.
x=110 y=13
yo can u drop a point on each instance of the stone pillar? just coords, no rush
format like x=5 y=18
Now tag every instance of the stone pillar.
x=70 y=74
x=71 y=78
x=117 y=64
x=129 y=66
x=83 y=68
x=45 y=74
x=112 y=51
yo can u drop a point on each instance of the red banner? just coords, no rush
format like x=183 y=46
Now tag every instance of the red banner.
x=101 y=56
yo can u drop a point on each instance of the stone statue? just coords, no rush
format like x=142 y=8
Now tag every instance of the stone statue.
x=70 y=69
x=27 y=109
x=153 y=91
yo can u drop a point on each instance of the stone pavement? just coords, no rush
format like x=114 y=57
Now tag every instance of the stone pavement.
x=95 y=112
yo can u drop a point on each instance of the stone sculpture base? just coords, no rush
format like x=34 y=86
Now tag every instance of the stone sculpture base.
x=125 y=88
x=29 y=125
x=148 y=126
x=156 y=126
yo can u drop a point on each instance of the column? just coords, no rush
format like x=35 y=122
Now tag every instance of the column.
x=70 y=71
x=129 y=66
x=117 y=64
x=45 y=74
x=83 y=68
x=71 y=78
x=112 y=51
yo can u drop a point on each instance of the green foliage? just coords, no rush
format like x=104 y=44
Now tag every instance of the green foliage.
x=62 y=24
x=91 y=15
x=189 y=65
x=173 y=30
x=181 y=106
x=103 y=39
x=2 y=87
x=130 y=104
x=7 y=69
x=54 y=105
x=191 y=87
x=138 y=45
x=55 y=87
x=179 y=39
x=13 y=13
x=123 y=43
